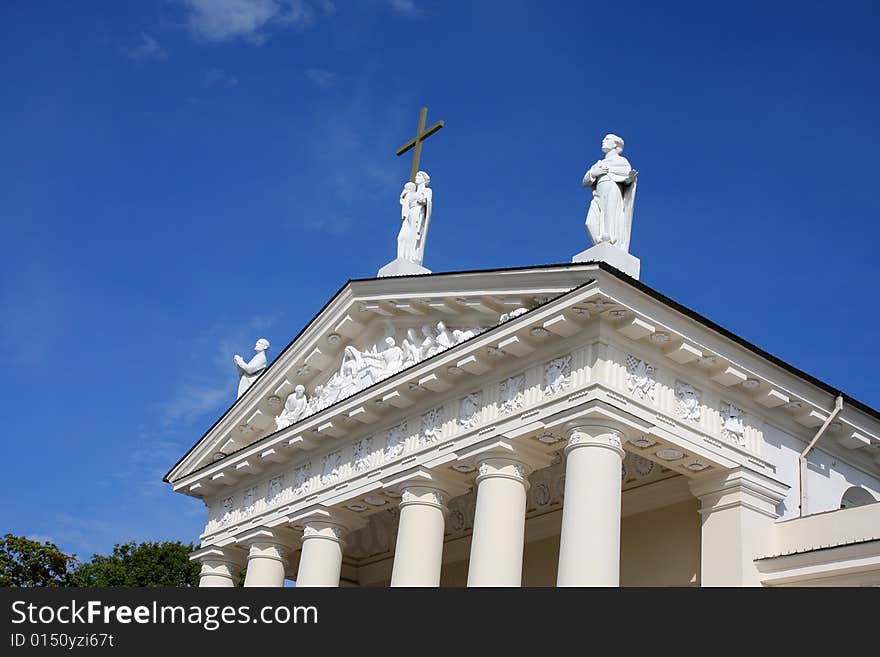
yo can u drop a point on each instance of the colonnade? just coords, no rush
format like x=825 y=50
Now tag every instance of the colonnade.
x=589 y=550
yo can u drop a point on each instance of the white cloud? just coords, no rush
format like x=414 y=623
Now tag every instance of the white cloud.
x=405 y=7
x=227 y=20
x=219 y=78
x=147 y=49
x=321 y=77
x=214 y=386
x=192 y=400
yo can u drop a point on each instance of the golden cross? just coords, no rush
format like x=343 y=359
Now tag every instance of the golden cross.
x=421 y=135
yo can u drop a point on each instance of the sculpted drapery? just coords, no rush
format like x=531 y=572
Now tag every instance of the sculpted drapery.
x=613 y=182
x=415 y=214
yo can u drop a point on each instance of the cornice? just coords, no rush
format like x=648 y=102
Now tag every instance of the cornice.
x=381 y=298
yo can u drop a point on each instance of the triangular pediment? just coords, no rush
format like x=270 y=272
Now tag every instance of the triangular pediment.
x=628 y=340
x=373 y=329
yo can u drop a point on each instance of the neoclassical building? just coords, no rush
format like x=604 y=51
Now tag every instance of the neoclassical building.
x=538 y=426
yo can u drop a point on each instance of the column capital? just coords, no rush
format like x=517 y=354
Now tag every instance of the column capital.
x=325 y=522
x=272 y=543
x=220 y=566
x=425 y=479
x=739 y=487
x=589 y=434
x=506 y=457
x=424 y=496
x=229 y=554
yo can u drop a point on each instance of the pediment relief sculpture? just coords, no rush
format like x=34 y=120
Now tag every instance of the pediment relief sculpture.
x=361 y=369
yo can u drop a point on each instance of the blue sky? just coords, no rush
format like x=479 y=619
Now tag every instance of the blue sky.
x=180 y=177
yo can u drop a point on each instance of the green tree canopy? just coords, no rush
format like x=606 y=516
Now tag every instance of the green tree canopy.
x=24 y=562
x=144 y=564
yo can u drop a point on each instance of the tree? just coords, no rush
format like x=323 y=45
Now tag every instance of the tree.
x=145 y=564
x=24 y=562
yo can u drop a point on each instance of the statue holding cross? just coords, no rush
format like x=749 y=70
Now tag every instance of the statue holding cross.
x=416 y=201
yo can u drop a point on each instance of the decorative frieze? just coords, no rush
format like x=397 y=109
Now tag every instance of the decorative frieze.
x=331 y=470
x=250 y=499
x=688 y=401
x=732 y=424
x=395 y=441
x=302 y=479
x=276 y=485
x=470 y=408
x=432 y=425
x=511 y=394
x=640 y=378
x=362 y=454
x=557 y=375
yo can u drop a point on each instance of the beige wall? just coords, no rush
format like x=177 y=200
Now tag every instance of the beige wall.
x=662 y=547
x=658 y=548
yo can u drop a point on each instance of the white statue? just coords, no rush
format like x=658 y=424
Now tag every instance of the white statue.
x=294 y=408
x=415 y=214
x=248 y=372
x=613 y=182
x=412 y=352
x=406 y=238
x=429 y=346
x=460 y=335
x=315 y=403
x=392 y=357
x=444 y=337
x=513 y=314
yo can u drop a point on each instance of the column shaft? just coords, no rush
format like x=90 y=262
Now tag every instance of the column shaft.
x=418 y=555
x=589 y=545
x=321 y=561
x=265 y=566
x=499 y=524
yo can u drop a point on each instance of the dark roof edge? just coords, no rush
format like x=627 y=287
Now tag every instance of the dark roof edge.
x=708 y=323
x=740 y=341
x=820 y=548
x=327 y=305
x=265 y=371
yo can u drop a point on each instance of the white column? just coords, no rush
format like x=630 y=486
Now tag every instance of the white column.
x=418 y=555
x=266 y=563
x=499 y=522
x=589 y=545
x=738 y=509
x=221 y=567
x=321 y=561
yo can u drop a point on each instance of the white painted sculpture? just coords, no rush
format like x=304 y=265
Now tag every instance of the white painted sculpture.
x=416 y=201
x=444 y=338
x=688 y=401
x=640 y=377
x=294 y=408
x=249 y=371
x=360 y=369
x=392 y=356
x=613 y=182
x=406 y=238
x=732 y=425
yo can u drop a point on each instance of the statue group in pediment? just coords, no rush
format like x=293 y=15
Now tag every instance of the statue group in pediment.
x=360 y=369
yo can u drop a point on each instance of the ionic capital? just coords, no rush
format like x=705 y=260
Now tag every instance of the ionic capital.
x=595 y=435
x=217 y=560
x=506 y=458
x=276 y=543
x=327 y=523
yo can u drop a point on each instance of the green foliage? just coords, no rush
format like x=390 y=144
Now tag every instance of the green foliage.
x=24 y=562
x=145 y=564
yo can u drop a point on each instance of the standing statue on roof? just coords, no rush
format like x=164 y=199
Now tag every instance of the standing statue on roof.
x=613 y=182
